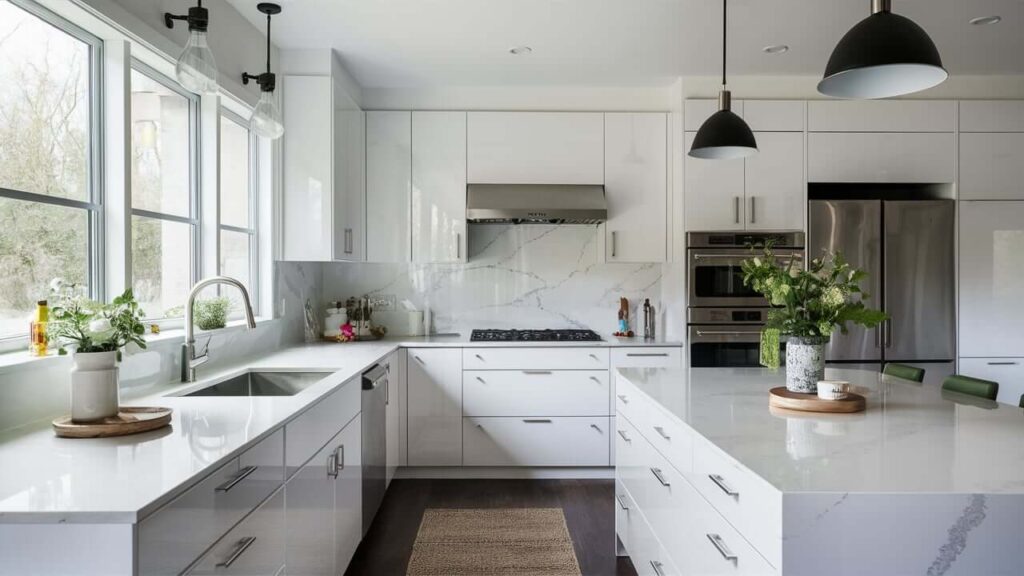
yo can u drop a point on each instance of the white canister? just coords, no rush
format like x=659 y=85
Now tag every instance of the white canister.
x=335 y=319
x=94 y=386
x=415 y=323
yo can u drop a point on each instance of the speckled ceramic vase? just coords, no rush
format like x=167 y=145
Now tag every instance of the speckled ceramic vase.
x=805 y=364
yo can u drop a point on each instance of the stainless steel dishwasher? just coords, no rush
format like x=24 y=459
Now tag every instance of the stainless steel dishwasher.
x=375 y=400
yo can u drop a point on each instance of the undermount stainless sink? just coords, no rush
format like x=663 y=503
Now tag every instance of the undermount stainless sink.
x=262 y=384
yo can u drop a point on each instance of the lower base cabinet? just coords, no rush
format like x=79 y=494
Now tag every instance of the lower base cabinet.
x=255 y=547
x=541 y=441
x=1008 y=372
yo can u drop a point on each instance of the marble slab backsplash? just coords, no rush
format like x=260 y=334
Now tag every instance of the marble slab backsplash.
x=525 y=276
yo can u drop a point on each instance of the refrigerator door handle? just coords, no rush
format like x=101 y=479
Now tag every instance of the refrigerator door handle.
x=888 y=333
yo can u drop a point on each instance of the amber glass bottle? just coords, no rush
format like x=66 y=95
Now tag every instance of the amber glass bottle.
x=37 y=338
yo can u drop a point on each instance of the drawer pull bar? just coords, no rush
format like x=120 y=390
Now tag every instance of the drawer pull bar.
x=624 y=437
x=657 y=567
x=661 y=432
x=479 y=357
x=723 y=549
x=596 y=427
x=661 y=478
x=647 y=354
x=595 y=379
x=720 y=482
x=1001 y=363
x=240 y=549
x=481 y=380
x=618 y=498
x=537 y=372
x=537 y=420
x=242 y=474
x=624 y=398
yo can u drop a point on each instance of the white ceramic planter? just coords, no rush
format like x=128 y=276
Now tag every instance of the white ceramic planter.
x=94 y=386
x=805 y=364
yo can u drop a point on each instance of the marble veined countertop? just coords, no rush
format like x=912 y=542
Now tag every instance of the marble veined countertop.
x=912 y=438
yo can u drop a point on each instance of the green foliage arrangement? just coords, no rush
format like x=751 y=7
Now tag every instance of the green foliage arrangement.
x=92 y=326
x=809 y=304
x=211 y=313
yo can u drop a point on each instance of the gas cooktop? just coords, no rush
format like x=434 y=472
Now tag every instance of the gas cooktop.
x=534 y=336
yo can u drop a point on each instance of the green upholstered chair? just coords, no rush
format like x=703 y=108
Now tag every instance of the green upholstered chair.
x=904 y=371
x=1021 y=404
x=971 y=386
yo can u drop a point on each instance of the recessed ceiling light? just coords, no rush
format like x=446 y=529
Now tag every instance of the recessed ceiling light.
x=520 y=50
x=986 y=20
x=775 y=49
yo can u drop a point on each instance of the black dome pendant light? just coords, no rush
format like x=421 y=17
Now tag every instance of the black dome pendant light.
x=724 y=135
x=884 y=55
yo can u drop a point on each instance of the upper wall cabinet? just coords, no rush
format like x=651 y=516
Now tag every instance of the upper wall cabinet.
x=991 y=166
x=636 y=186
x=881 y=116
x=323 y=201
x=388 y=186
x=877 y=157
x=439 y=186
x=535 y=148
x=992 y=116
x=760 y=115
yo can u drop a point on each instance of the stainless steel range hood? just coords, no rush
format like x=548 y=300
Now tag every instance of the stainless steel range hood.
x=536 y=204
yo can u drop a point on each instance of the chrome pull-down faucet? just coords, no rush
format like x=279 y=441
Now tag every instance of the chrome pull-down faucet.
x=189 y=360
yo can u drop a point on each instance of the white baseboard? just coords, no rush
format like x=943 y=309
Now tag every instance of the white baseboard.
x=460 y=472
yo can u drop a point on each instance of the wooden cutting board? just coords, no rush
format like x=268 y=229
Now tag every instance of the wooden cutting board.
x=782 y=398
x=129 y=420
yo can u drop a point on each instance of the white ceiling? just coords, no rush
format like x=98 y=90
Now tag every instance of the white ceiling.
x=410 y=43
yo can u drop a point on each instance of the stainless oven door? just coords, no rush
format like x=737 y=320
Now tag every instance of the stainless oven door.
x=716 y=277
x=727 y=346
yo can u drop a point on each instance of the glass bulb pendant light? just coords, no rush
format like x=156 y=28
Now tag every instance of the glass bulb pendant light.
x=724 y=135
x=266 y=117
x=196 y=69
x=884 y=55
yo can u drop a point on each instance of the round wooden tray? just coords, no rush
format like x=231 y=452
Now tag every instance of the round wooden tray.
x=782 y=398
x=129 y=420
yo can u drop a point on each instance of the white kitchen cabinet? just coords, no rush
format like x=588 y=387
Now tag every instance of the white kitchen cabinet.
x=550 y=358
x=876 y=157
x=636 y=187
x=348 y=493
x=393 y=417
x=774 y=180
x=533 y=441
x=435 y=406
x=323 y=201
x=695 y=112
x=255 y=547
x=388 y=186
x=714 y=192
x=760 y=115
x=881 y=116
x=991 y=116
x=991 y=166
x=535 y=393
x=991 y=279
x=1008 y=372
x=438 y=187
x=535 y=148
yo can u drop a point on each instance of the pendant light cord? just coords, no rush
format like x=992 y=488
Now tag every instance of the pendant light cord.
x=724 y=43
x=268 y=42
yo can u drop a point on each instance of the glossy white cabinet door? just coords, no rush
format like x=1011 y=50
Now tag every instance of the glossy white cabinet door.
x=393 y=416
x=308 y=195
x=714 y=193
x=636 y=186
x=875 y=157
x=535 y=148
x=435 y=406
x=991 y=279
x=388 y=186
x=439 y=186
x=775 y=115
x=775 y=182
x=310 y=518
x=348 y=494
x=991 y=166
x=991 y=116
x=535 y=393
x=536 y=441
x=349 y=178
x=881 y=115
x=255 y=547
x=1008 y=372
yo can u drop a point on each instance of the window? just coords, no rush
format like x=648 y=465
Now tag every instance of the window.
x=164 y=203
x=50 y=210
x=237 y=226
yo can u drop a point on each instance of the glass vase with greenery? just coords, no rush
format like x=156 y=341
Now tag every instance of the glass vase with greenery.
x=809 y=304
x=89 y=326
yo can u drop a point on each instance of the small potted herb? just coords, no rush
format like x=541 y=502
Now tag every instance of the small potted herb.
x=211 y=313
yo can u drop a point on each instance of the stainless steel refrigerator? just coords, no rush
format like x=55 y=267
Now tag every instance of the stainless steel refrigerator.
x=907 y=248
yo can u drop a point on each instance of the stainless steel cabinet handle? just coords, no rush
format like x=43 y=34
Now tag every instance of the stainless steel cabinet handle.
x=536 y=372
x=657 y=567
x=888 y=333
x=720 y=482
x=339 y=457
x=537 y=420
x=458 y=246
x=481 y=380
x=727 y=332
x=594 y=356
x=753 y=213
x=723 y=549
x=738 y=259
x=420 y=360
x=240 y=549
x=736 y=209
x=624 y=398
x=1001 y=363
x=618 y=498
x=661 y=432
x=647 y=354
x=661 y=478
x=624 y=437
x=348 y=240
x=613 y=244
x=242 y=474
x=596 y=379
x=596 y=427
x=332 y=464
x=479 y=357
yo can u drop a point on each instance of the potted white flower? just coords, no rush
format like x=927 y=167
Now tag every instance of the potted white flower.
x=97 y=333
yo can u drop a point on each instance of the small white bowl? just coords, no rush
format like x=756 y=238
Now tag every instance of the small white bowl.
x=833 y=389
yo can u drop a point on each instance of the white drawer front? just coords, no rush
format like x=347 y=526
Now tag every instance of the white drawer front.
x=1008 y=372
x=535 y=393
x=673 y=440
x=576 y=441
x=749 y=503
x=253 y=548
x=710 y=546
x=652 y=357
x=554 y=358
x=314 y=427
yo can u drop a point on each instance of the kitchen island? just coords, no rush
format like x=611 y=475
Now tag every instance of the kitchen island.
x=711 y=481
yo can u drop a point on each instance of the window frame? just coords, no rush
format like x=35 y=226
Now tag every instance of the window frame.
x=253 y=231
x=194 y=218
x=93 y=205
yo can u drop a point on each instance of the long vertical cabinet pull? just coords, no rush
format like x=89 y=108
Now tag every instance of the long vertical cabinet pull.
x=753 y=210
x=348 y=240
x=736 y=209
x=613 y=243
x=458 y=246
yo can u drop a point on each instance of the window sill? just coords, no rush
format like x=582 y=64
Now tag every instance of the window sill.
x=20 y=360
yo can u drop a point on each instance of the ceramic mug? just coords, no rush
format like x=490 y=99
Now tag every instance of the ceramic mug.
x=833 y=389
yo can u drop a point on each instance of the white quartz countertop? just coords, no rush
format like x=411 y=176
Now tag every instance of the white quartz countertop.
x=912 y=438
x=122 y=480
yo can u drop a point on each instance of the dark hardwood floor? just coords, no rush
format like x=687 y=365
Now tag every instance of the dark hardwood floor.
x=588 y=506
